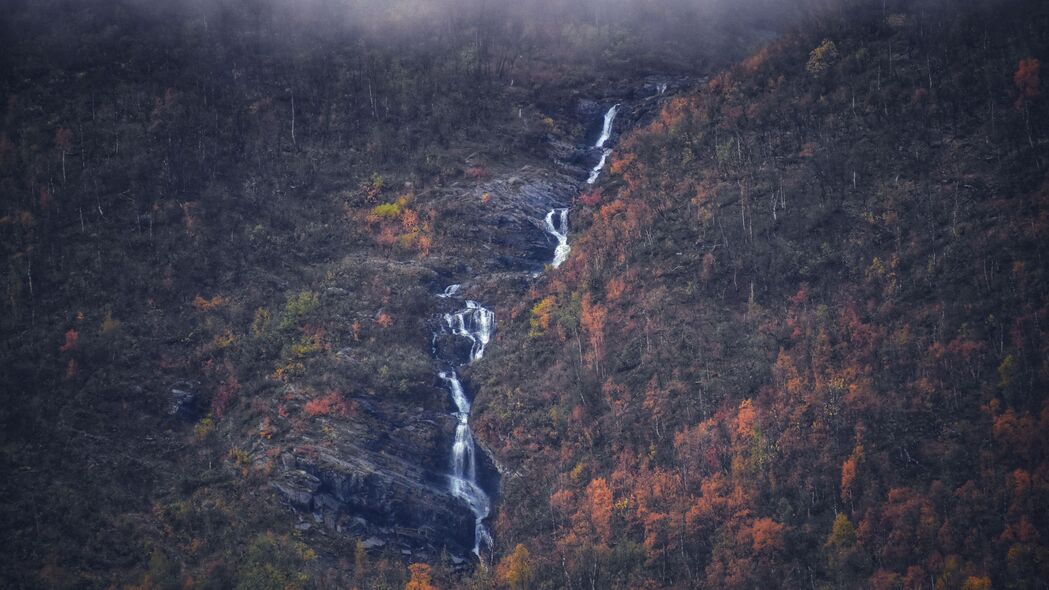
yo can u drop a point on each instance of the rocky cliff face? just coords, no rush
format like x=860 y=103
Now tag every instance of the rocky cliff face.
x=388 y=484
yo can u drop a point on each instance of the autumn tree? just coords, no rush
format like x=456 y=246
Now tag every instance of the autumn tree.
x=72 y=336
x=421 y=576
x=822 y=57
x=515 y=570
x=1027 y=81
x=599 y=499
x=593 y=321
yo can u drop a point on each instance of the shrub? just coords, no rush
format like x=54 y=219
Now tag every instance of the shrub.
x=331 y=404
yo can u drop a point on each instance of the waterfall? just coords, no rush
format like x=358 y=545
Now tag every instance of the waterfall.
x=596 y=171
x=559 y=229
x=475 y=323
x=449 y=291
x=560 y=232
x=606 y=132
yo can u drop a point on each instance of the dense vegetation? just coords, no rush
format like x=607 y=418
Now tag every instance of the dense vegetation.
x=219 y=243
x=801 y=340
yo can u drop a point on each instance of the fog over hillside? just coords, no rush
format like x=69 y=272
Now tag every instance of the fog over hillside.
x=524 y=294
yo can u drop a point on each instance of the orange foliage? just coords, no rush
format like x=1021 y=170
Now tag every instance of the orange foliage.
x=616 y=288
x=848 y=472
x=409 y=220
x=424 y=243
x=515 y=570
x=593 y=320
x=590 y=198
x=708 y=267
x=72 y=336
x=201 y=304
x=384 y=320
x=753 y=63
x=387 y=236
x=226 y=392
x=331 y=404
x=1027 y=81
x=767 y=535
x=746 y=419
x=599 y=500
x=421 y=577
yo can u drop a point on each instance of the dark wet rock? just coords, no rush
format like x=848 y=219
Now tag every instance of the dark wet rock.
x=385 y=493
x=295 y=496
x=452 y=349
x=508 y=230
x=373 y=543
x=382 y=476
x=184 y=401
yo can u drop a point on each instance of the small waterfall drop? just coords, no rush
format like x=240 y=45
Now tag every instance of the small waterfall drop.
x=606 y=132
x=606 y=129
x=560 y=232
x=474 y=323
x=596 y=171
x=449 y=291
x=556 y=221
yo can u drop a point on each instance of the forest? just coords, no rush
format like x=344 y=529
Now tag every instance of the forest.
x=800 y=338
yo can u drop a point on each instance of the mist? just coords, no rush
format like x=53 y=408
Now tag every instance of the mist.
x=679 y=34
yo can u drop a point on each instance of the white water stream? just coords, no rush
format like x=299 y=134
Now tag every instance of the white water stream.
x=559 y=229
x=560 y=232
x=606 y=130
x=475 y=323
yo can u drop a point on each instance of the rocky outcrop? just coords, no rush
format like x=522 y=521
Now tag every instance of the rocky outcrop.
x=388 y=486
x=373 y=494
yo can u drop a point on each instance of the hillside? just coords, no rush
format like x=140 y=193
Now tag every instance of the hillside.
x=252 y=247
x=223 y=225
x=801 y=337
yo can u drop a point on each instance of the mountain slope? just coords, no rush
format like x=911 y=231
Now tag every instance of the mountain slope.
x=801 y=337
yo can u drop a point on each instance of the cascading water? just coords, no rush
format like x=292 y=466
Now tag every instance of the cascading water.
x=560 y=232
x=560 y=229
x=463 y=479
x=596 y=170
x=475 y=323
x=449 y=291
x=606 y=129
x=606 y=132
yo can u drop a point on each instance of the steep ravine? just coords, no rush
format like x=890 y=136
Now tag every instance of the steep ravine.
x=425 y=487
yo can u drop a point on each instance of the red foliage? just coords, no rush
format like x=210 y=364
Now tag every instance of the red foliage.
x=225 y=394
x=590 y=198
x=1027 y=81
x=331 y=404
x=72 y=336
x=599 y=499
